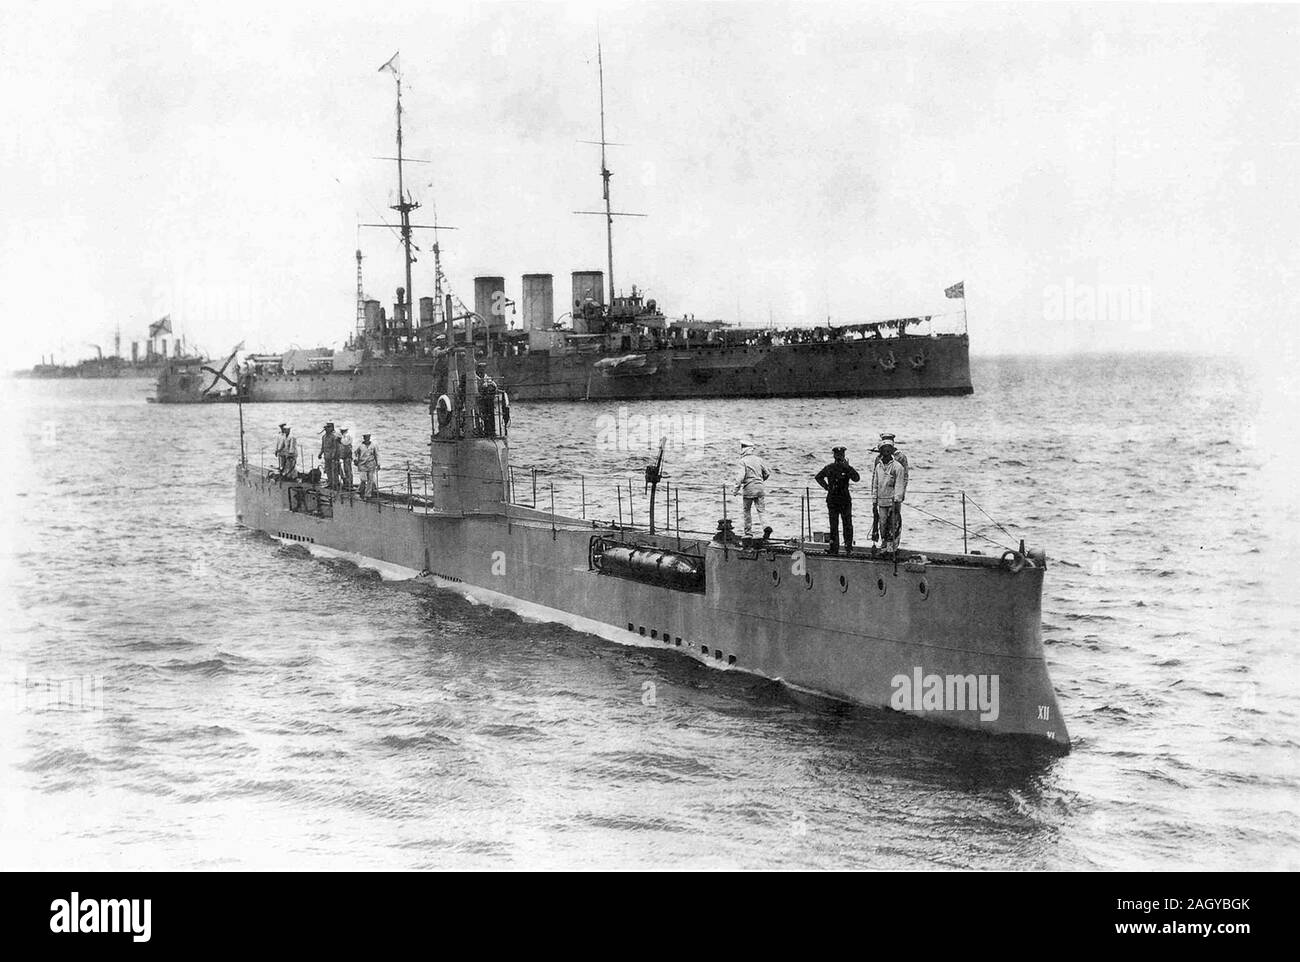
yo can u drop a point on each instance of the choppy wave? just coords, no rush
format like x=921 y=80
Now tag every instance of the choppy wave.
x=264 y=707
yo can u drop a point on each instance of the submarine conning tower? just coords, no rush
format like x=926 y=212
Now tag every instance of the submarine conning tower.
x=469 y=455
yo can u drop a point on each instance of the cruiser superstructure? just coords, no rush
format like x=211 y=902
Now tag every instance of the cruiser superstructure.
x=594 y=343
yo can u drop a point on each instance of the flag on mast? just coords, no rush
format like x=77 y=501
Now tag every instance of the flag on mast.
x=161 y=326
x=392 y=64
x=957 y=290
x=220 y=374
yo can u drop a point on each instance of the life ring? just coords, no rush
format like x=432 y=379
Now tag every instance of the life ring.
x=1013 y=561
x=888 y=363
x=918 y=362
x=442 y=410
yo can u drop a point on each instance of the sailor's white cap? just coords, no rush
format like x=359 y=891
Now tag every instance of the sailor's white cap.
x=746 y=445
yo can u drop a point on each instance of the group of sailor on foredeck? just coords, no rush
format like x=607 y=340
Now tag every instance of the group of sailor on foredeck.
x=337 y=454
x=889 y=476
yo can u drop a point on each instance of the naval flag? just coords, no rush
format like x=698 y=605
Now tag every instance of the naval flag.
x=161 y=326
x=220 y=374
x=957 y=290
x=392 y=64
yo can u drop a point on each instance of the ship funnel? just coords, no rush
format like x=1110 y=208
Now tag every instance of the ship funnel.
x=426 y=311
x=538 y=302
x=374 y=316
x=490 y=303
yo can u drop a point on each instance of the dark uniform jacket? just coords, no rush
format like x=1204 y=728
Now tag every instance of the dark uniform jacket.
x=329 y=445
x=837 y=476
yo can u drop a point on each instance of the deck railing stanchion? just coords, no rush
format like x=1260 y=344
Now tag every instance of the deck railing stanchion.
x=724 y=522
x=807 y=500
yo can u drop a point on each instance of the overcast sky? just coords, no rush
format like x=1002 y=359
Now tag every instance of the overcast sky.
x=1102 y=177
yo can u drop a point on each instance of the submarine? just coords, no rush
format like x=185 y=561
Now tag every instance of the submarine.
x=954 y=639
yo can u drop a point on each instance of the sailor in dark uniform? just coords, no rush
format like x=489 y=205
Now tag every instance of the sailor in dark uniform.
x=487 y=389
x=835 y=479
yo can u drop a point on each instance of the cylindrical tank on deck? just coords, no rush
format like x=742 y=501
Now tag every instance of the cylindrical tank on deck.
x=426 y=311
x=670 y=569
x=538 y=302
x=490 y=303
x=374 y=314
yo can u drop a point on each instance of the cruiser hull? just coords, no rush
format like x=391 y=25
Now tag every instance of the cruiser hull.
x=933 y=638
x=886 y=367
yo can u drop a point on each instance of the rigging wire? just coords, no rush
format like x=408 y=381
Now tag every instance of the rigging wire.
x=991 y=518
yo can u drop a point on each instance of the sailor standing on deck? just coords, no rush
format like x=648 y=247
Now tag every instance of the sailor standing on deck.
x=329 y=452
x=286 y=451
x=901 y=458
x=835 y=479
x=888 y=487
x=487 y=389
x=367 y=459
x=345 y=458
x=750 y=475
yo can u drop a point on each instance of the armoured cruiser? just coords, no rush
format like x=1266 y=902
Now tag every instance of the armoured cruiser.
x=952 y=638
x=606 y=346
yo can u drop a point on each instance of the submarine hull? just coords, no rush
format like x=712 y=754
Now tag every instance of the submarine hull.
x=953 y=639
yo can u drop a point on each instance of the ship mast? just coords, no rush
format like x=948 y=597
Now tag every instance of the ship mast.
x=404 y=207
x=439 y=310
x=404 y=204
x=605 y=175
x=361 y=297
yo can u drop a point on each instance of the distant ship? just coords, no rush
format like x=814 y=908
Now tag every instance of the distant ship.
x=606 y=346
x=151 y=362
